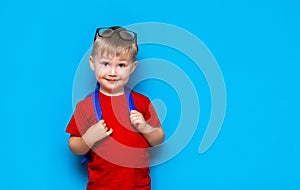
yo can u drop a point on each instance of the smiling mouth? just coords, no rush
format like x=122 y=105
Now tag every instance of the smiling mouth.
x=111 y=80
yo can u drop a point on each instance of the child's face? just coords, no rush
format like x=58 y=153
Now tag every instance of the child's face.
x=112 y=73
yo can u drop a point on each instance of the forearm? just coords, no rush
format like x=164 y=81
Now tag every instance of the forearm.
x=81 y=145
x=78 y=145
x=155 y=137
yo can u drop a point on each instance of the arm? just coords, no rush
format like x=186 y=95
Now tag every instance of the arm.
x=78 y=146
x=154 y=135
x=97 y=132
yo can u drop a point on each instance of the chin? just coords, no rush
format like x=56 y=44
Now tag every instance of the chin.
x=114 y=89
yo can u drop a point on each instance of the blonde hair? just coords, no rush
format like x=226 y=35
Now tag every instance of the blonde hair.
x=114 y=46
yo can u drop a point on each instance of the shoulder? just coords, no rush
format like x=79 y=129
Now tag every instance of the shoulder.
x=83 y=117
x=144 y=106
x=85 y=103
x=139 y=97
x=141 y=101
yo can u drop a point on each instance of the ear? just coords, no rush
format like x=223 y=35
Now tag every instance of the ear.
x=92 y=65
x=134 y=64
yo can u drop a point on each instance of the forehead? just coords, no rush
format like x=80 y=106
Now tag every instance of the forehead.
x=118 y=57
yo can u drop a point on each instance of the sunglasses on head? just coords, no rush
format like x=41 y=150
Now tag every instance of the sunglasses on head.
x=109 y=32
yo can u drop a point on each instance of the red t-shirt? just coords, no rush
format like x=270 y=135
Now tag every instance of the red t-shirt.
x=121 y=160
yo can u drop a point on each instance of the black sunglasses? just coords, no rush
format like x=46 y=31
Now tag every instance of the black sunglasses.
x=109 y=32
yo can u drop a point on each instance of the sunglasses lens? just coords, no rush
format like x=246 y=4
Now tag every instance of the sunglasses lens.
x=106 y=32
x=127 y=35
x=109 y=32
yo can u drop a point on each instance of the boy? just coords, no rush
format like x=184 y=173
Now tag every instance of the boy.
x=118 y=142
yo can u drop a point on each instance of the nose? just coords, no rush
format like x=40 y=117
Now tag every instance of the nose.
x=112 y=71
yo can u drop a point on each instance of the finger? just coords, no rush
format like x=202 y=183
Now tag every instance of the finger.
x=109 y=132
x=134 y=118
x=132 y=114
x=137 y=114
x=101 y=121
x=133 y=111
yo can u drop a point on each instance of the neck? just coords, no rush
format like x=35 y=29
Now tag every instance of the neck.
x=112 y=93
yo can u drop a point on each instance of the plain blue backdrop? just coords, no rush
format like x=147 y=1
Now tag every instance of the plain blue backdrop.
x=256 y=44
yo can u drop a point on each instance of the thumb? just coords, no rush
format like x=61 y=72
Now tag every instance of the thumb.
x=109 y=132
x=133 y=111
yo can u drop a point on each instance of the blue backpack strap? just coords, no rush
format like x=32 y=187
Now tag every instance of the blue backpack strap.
x=129 y=98
x=86 y=158
x=96 y=103
x=98 y=112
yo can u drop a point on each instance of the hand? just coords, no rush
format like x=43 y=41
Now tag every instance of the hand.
x=96 y=133
x=138 y=121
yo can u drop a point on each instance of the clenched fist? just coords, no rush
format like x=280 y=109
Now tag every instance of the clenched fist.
x=96 y=133
x=138 y=121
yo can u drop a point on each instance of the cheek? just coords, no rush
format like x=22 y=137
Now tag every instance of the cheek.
x=125 y=73
x=100 y=71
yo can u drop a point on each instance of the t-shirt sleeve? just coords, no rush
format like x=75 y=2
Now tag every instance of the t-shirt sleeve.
x=79 y=122
x=72 y=128
x=150 y=114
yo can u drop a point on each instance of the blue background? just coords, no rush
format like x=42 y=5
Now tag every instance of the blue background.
x=256 y=44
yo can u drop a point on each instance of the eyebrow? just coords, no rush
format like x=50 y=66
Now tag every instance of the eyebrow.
x=108 y=59
x=124 y=60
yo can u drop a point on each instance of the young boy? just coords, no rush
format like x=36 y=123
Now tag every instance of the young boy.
x=119 y=141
